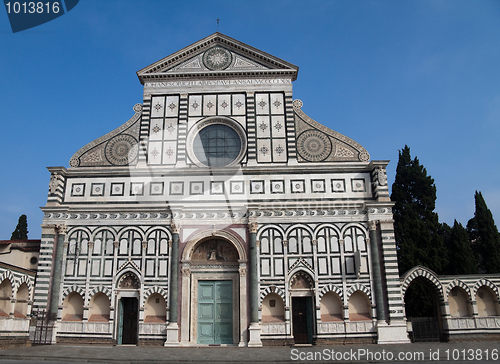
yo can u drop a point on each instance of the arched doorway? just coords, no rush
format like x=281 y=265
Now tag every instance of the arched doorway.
x=423 y=305
x=213 y=280
x=302 y=293
x=127 y=299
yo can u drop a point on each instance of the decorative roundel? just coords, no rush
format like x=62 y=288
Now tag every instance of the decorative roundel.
x=314 y=146
x=217 y=58
x=364 y=157
x=74 y=162
x=121 y=150
x=137 y=107
x=297 y=104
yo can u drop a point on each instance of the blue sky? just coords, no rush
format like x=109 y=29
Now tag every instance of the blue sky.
x=385 y=73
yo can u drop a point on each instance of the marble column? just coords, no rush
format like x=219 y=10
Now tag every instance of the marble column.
x=254 y=328
x=377 y=274
x=173 y=327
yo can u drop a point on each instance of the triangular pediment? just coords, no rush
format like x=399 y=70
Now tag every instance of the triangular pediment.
x=218 y=56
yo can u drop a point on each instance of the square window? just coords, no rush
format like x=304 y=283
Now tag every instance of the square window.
x=136 y=188
x=117 y=189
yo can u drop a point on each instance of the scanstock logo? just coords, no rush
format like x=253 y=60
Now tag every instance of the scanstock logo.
x=28 y=14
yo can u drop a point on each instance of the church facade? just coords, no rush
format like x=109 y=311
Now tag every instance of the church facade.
x=220 y=214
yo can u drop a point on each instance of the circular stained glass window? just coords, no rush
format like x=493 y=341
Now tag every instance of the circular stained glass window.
x=217 y=145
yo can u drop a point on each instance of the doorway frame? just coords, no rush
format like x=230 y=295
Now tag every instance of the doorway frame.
x=192 y=273
x=219 y=276
x=304 y=294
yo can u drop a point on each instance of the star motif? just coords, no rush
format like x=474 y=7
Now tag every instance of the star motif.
x=157 y=106
x=169 y=152
x=279 y=150
x=277 y=103
x=278 y=126
x=263 y=126
x=172 y=106
x=154 y=153
x=264 y=150
x=262 y=103
x=224 y=104
x=170 y=128
x=210 y=105
x=238 y=104
x=218 y=58
x=195 y=105
x=156 y=129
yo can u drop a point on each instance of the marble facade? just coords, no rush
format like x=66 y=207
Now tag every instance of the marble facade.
x=219 y=176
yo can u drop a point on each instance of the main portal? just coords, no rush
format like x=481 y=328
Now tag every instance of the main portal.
x=215 y=312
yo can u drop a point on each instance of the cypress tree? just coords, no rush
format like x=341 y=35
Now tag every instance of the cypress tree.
x=484 y=236
x=416 y=225
x=460 y=254
x=21 y=232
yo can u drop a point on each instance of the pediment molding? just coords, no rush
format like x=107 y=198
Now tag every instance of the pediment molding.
x=247 y=62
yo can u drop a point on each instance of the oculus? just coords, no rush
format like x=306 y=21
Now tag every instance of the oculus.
x=216 y=142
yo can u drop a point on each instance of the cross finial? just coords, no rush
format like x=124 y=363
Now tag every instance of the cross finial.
x=218 y=20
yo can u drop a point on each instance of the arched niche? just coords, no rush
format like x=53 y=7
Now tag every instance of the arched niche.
x=199 y=238
x=5 y=297
x=359 y=307
x=129 y=281
x=213 y=250
x=99 y=308
x=301 y=281
x=72 y=307
x=459 y=303
x=155 y=309
x=487 y=304
x=331 y=307
x=22 y=298
x=273 y=308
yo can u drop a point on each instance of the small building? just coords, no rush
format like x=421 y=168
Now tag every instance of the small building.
x=18 y=265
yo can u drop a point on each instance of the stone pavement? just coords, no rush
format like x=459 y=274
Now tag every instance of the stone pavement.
x=471 y=351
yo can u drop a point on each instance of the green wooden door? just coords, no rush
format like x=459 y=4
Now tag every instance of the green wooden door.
x=215 y=312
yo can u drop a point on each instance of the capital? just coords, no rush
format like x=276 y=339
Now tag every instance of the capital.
x=372 y=225
x=252 y=227
x=62 y=229
x=175 y=228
